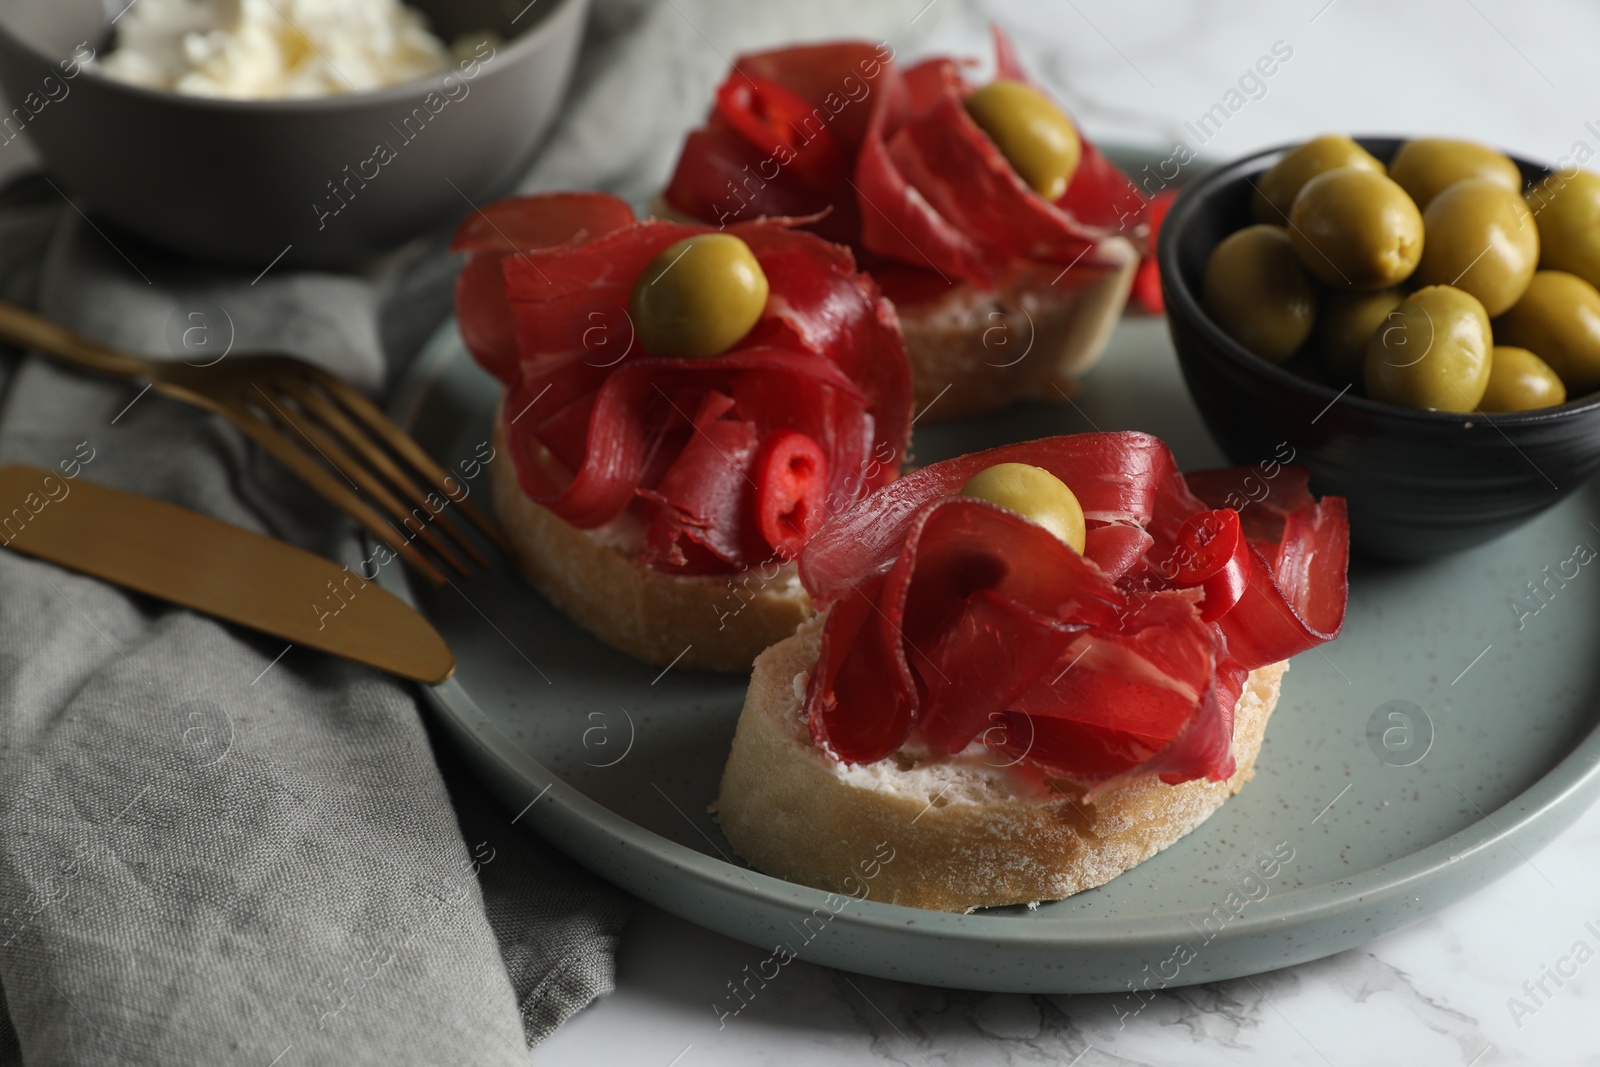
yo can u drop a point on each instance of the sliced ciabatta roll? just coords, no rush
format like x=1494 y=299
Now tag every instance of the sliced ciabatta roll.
x=1038 y=666
x=697 y=622
x=981 y=828
x=1007 y=243
x=976 y=349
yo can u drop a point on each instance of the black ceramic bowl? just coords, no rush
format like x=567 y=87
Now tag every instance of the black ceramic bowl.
x=1420 y=483
x=241 y=181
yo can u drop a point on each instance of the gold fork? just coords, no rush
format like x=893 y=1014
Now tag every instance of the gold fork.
x=282 y=404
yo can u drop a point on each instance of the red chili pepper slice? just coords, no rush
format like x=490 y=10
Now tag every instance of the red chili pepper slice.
x=1212 y=553
x=791 y=486
x=779 y=122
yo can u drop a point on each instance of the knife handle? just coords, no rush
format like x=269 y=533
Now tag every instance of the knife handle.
x=23 y=327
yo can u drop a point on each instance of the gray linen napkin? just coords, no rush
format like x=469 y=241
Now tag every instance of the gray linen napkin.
x=212 y=854
x=213 y=851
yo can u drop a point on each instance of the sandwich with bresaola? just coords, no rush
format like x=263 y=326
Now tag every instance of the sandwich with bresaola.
x=1034 y=668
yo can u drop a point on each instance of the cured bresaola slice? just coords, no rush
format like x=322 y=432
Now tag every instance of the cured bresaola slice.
x=954 y=620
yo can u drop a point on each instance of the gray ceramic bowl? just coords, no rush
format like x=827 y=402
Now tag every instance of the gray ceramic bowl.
x=241 y=181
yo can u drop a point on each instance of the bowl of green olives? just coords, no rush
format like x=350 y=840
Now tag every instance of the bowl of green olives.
x=1418 y=320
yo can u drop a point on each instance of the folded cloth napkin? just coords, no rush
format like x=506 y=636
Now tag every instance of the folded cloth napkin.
x=210 y=854
x=214 y=850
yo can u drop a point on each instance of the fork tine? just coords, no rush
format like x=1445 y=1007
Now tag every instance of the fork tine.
x=320 y=407
x=347 y=465
x=314 y=474
x=405 y=447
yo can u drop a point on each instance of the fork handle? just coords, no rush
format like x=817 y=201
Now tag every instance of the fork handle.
x=23 y=327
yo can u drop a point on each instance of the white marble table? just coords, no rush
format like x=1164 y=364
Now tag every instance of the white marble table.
x=1496 y=979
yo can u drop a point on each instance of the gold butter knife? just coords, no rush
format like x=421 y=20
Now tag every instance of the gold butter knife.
x=214 y=567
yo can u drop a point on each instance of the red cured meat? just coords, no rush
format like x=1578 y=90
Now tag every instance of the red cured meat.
x=508 y=227
x=598 y=427
x=1117 y=478
x=905 y=176
x=782 y=138
x=954 y=620
x=937 y=169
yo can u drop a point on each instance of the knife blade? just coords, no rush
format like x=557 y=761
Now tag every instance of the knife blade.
x=178 y=555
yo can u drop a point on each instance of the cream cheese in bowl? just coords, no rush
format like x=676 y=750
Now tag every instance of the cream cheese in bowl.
x=274 y=49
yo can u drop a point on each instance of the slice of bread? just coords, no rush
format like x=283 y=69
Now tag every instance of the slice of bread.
x=712 y=623
x=1032 y=337
x=965 y=831
x=973 y=350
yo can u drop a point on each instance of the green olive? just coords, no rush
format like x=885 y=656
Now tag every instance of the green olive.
x=1427 y=167
x=1520 y=381
x=1559 y=318
x=1481 y=238
x=1259 y=294
x=1356 y=229
x=1037 y=139
x=698 y=297
x=1035 y=494
x=1568 y=214
x=1434 y=352
x=1345 y=323
x=1277 y=188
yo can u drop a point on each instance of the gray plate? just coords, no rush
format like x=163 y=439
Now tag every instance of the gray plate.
x=1431 y=749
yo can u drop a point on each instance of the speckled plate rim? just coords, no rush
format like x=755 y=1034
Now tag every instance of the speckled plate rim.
x=1530 y=819
x=1446 y=870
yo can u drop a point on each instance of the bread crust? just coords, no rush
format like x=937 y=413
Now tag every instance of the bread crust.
x=974 y=350
x=963 y=833
x=712 y=623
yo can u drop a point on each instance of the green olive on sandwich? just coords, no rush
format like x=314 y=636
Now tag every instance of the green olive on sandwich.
x=1035 y=494
x=698 y=297
x=1037 y=139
